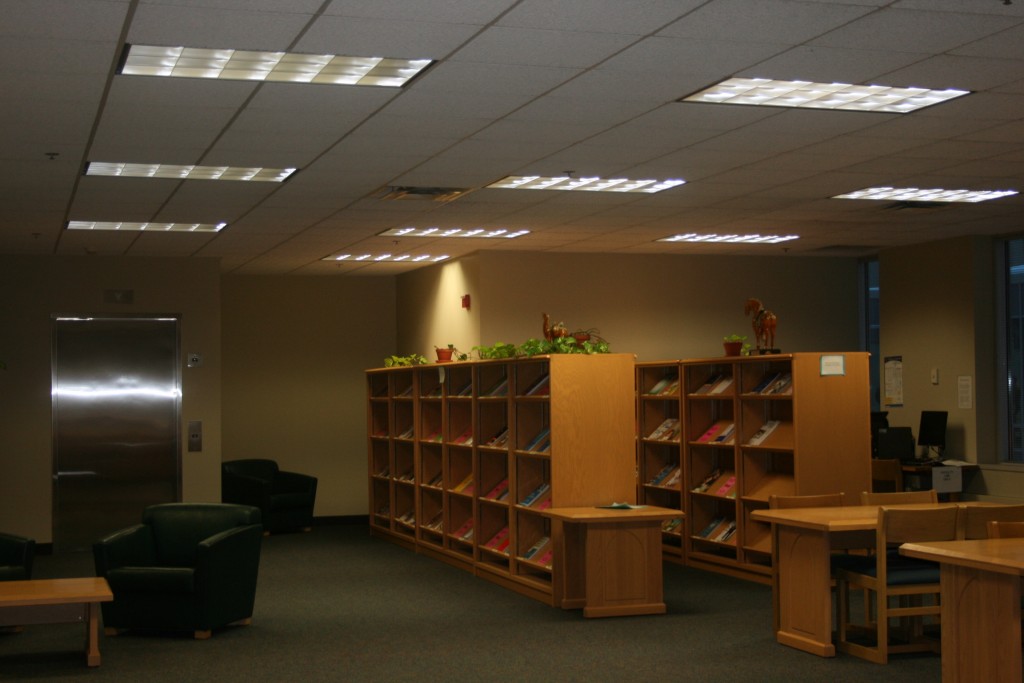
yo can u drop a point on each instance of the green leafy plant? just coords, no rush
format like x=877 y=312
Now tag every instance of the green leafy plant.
x=411 y=359
x=734 y=338
x=498 y=350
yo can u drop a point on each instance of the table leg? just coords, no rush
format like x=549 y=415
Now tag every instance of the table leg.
x=92 y=632
x=802 y=590
x=981 y=628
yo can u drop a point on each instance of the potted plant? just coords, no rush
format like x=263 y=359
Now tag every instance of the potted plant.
x=733 y=344
x=444 y=353
x=411 y=359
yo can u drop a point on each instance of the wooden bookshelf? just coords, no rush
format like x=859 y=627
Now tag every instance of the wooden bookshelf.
x=549 y=431
x=820 y=443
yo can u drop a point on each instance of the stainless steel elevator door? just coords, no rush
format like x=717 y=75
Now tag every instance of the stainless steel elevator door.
x=116 y=393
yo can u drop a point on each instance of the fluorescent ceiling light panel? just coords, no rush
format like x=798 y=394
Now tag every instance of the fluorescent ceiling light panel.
x=355 y=257
x=126 y=226
x=913 y=194
x=873 y=98
x=179 y=172
x=282 y=67
x=591 y=184
x=454 y=232
x=744 y=239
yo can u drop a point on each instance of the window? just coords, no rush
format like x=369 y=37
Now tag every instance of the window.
x=870 y=342
x=1013 y=276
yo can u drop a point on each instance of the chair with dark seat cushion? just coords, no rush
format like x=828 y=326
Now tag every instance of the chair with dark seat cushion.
x=186 y=567
x=286 y=499
x=16 y=556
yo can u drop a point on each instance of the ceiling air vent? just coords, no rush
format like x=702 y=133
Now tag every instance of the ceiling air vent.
x=846 y=250
x=432 y=194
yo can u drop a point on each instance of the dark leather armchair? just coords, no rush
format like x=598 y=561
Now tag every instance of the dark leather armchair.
x=286 y=499
x=186 y=567
x=16 y=556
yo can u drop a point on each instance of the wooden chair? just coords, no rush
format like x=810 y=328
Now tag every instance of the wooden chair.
x=898 y=497
x=890 y=575
x=974 y=519
x=821 y=500
x=997 y=529
x=886 y=475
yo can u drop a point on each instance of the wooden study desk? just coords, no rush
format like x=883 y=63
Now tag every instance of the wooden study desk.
x=607 y=560
x=802 y=540
x=57 y=601
x=980 y=600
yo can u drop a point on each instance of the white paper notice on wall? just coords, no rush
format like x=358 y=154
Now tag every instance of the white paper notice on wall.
x=947 y=479
x=893 y=369
x=964 y=392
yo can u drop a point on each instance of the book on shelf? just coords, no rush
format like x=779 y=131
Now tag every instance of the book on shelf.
x=497 y=539
x=499 y=389
x=499 y=492
x=782 y=385
x=434 y=436
x=384 y=472
x=726 y=434
x=465 y=438
x=534 y=495
x=708 y=481
x=544 y=504
x=406 y=476
x=467 y=390
x=466 y=485
x=499 y=440
x=761 y=434
x=465 y=531
x=540 y=387
x=726 y=486
x=436 y=523
x=662 y=475
x=534 y=549
x=405 y=393
x=673 y=478
x=666 y=385
x=435 y=481
x=765 y=382
x=714 y=379
x=666 y=430
x=546 y=557
x=712 y=525
x=721 y=385
x=434 y=392
x=409 y=517
x=724 y=532
x=538 y=439
x=406 y=433
x=671 y=526
x=714 y=431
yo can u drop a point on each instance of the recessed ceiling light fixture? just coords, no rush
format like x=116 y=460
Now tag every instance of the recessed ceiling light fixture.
x=126 y=226
x=353 y=257
x=745 y=239
x=913 y=194
x=589 y=184
x=874 y=98
x=180 y=172
x=282 y=67
x=454 y=232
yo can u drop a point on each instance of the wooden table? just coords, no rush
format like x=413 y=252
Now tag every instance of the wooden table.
x=802 y=540
x=608 y=561
x=981 y=591
x=57 y=601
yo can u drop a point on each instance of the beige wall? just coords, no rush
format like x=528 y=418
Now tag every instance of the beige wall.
x=34 y=288
x=295 y=352
x=657 y=307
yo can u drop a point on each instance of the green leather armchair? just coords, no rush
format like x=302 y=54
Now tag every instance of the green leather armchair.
x=186 y=567
x=16 y=557
x=286 y=499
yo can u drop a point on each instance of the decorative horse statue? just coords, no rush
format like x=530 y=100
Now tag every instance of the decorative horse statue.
x=764 y=324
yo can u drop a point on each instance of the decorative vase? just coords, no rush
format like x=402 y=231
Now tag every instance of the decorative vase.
x=732 y=348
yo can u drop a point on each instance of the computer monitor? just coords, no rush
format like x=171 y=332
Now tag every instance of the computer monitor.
x=896 y=443
x=932 y=432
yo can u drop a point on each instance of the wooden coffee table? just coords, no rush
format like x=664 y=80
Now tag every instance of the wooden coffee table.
x=57 y=601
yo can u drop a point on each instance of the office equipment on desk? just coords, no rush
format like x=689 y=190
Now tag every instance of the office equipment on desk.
x=896 y=443
x=931 y=433
x=879 y=421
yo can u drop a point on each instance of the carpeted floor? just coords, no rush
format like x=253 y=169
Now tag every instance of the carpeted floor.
x=337 y=605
